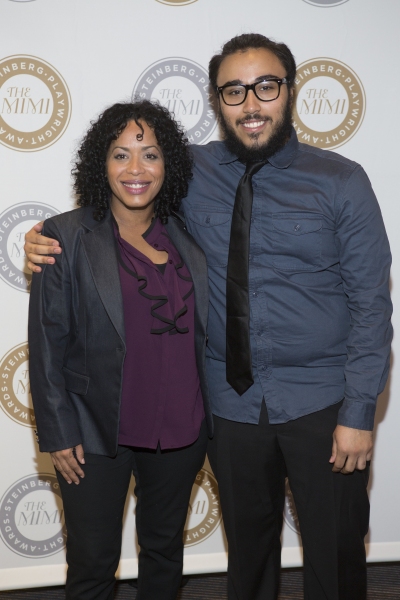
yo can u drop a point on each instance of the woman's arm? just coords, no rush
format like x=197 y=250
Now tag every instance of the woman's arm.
x=49 y=331
x=68 y=463
x=38 y=247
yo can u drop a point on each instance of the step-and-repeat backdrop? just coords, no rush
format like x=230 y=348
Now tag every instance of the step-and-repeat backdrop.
x=64 y=61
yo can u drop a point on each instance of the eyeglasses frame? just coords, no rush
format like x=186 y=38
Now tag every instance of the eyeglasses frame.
x=252 y=87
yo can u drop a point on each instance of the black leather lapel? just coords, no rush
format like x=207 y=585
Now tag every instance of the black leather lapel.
x=99 y=246
x=195 y=261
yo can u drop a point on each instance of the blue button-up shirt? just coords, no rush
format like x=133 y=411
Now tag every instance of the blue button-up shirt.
x=318 y=281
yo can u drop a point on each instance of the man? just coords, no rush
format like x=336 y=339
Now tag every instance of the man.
x=299 y=326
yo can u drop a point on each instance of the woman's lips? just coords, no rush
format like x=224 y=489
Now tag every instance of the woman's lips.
x=136 y=187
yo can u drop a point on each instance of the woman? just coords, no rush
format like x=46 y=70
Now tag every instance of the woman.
x=117 y=342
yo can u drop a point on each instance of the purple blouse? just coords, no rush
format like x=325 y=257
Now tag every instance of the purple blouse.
x=161 y=395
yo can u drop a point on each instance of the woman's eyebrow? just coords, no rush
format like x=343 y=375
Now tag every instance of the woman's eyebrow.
x=143 y=148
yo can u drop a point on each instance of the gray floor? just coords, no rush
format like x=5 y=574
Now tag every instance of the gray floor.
x=383 y=584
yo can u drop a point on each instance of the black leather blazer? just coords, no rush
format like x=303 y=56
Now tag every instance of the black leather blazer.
x=77 y=336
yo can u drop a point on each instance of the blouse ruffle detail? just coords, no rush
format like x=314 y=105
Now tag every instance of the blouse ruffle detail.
x=166 y=292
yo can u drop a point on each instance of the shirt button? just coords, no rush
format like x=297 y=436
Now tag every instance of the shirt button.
x=255 y=294
x=155 y=245
x=208 y=219
x=263 y=367
x=170 y=262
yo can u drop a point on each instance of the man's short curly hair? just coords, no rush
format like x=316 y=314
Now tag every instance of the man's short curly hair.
x=89 y=171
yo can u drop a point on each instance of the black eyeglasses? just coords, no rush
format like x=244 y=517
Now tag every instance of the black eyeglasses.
x=266 y=91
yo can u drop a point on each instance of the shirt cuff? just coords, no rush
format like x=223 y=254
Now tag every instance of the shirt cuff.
x=358 y=415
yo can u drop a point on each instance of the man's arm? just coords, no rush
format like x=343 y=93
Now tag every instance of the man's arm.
x=351 y=449
x=38 y=247
x=364 y=266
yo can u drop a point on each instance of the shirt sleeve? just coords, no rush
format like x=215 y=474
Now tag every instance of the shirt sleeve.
x=48 y=334
x=365 y=261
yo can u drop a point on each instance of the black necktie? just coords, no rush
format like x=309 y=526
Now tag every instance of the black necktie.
x=238 y=353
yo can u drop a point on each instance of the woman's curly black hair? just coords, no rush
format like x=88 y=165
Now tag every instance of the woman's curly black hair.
x=89 y=171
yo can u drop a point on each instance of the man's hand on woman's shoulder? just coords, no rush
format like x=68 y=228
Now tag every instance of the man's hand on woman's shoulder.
x=38 y=247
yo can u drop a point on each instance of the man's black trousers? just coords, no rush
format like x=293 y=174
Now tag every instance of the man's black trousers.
x=251 y=463
x=94 y=513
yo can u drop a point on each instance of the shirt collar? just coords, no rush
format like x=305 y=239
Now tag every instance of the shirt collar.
x=280 y=160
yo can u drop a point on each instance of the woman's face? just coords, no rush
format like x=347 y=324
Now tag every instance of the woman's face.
x=135 y=170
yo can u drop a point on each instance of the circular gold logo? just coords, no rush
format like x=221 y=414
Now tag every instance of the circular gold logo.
x=35 y=103
x=176 y=2
x=15 y=398
x=330 y=103
x=204 y=514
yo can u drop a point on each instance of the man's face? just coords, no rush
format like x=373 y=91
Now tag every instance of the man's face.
x=254 y=127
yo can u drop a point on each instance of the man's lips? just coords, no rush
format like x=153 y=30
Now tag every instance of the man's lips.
x=136 y=187
x=254 y=124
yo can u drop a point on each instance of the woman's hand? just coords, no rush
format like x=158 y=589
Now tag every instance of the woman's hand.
x=68 y=463
x=37 y=245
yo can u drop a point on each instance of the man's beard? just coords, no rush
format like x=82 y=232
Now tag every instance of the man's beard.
x=258 y=152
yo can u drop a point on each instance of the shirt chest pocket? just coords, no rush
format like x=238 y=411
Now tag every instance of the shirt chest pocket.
x=297 y=243
x=211 y=230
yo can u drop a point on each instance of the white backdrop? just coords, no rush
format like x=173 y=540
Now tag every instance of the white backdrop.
x=61 y=63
